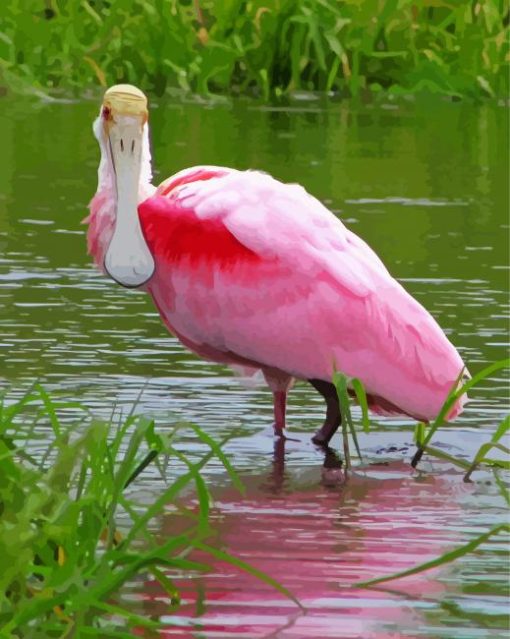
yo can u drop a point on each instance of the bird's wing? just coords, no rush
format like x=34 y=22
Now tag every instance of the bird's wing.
x=265 y=271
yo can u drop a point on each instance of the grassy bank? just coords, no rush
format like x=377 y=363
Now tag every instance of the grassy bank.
x=424 y=433
x=73 y=533
x=261 y=47
x=75 y=528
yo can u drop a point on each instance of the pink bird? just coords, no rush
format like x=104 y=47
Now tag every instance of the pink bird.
x=253 y=273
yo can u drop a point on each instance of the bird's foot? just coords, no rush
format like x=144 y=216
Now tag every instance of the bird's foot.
x=283 y=437
x=280 y=434
x=332 y=473
x=319 y=440
x=323 y=436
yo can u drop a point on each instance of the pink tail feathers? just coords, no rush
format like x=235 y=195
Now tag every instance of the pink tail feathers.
x=460 y=403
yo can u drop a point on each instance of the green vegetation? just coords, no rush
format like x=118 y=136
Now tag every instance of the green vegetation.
x=72 y=535
x=343 y=385
x=424 y=432
x=262 y=47
x=423 y=435
x=445 y=558
x=450 y=555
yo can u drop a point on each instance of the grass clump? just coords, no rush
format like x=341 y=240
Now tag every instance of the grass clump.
x=450 y=555
x=72 y=535
x=265 y=47
x=423 y=435
x=425 y=432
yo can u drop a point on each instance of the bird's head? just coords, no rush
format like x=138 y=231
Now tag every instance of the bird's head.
x=122 y=134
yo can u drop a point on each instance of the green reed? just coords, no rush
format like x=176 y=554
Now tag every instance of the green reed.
x=449 y=556
x=342 y=385
x=425 y=432
x=71 y=532
x=423 y=435
x=262 y=47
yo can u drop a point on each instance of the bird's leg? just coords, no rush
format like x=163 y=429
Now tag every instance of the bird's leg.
x=332 y=473
x=276 y=479
x=279 y=404
x=333 y=414
x=278 y=474
x=280 y=383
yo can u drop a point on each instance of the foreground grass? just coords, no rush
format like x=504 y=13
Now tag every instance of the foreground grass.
x=63 y=559
x=423 y=435
x=265 y=47
x=72 y=535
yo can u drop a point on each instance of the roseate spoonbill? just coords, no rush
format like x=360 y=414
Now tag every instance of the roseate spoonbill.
x=250 y=272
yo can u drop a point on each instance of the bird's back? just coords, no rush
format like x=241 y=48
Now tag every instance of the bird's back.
x=262 y=270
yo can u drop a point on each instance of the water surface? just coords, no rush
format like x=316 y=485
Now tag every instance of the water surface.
x=426 y=185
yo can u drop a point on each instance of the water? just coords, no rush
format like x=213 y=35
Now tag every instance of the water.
x=426 y=185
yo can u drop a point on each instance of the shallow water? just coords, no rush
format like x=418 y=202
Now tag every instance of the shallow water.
x=426 y=185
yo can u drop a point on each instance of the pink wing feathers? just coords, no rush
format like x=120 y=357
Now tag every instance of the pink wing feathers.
x=256 y=272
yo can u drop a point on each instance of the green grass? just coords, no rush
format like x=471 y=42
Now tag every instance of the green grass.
x=72 y=534
x=441 y=560
x=260 y=47
x=425 y=432
x=423 y=436
x=450 y=555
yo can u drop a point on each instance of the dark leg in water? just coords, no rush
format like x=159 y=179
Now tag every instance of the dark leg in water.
x=333 y=414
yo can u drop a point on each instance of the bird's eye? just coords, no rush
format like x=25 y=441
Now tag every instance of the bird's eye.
x=106 y=113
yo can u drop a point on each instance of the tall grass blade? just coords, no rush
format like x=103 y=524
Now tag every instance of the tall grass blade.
x=441 y=454
x=361 y=396
x=340 y=383
x=150 y=457
x=453 y=396
x=251 y=570
x=445 y=558
x=216 y=448
x=504 y=492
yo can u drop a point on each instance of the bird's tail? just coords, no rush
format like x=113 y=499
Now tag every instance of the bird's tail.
x=460 y=403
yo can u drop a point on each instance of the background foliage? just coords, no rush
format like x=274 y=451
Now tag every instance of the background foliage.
x=265 y=47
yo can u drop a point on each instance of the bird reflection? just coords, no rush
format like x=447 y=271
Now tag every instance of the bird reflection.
x=277 y=480
x=332 y=472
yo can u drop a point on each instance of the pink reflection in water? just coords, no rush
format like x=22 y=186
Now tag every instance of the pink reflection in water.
x=317 y=536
